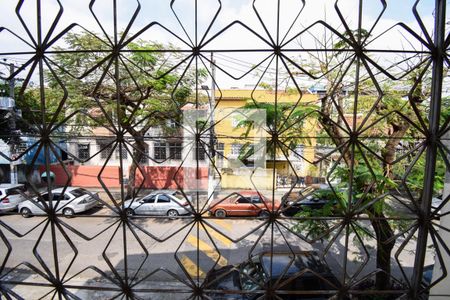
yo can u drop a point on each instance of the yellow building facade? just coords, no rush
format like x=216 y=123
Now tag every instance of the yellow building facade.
x=262 y=173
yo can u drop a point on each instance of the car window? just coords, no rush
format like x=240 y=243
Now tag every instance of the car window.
x=276 y=265
x=150 y=199
x=79 y=192
x=178 y=195
x=59 y=196
x=243 y=200
x=13 y=192
x=163 y=199
x=256 y=199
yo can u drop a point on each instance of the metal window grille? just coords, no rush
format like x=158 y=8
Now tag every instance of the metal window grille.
x=121 y=151
x=84 y=151
x=106 y=148
x=160 y=150
x=236 y=149
x=199 y=153
x=175 y=150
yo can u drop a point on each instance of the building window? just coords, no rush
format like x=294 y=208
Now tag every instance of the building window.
x=199 y=153
x=175 y=150
x=124 y=152
x=236 y=149
x=106 y=148
x=22 y=147
x=171 y=123
x=160 y=150
x=220 y=151
x=220 y=154
x=84 y=151
x=299 y=152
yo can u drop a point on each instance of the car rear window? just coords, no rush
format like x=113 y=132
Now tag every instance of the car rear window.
x=277 y=264
x=178 y=195
x=79 y=192
x=14 y=191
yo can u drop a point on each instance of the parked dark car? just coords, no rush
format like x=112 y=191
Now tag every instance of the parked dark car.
x=308 y=199
x=286 y=272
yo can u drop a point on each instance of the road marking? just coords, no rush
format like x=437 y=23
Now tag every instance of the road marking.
x=223 y=239
x=208 y=250
x=223 y=224
x=191 y=267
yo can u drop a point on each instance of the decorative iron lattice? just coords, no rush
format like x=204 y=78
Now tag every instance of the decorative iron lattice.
x=147 y=178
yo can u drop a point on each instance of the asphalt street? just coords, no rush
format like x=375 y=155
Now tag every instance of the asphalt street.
x=99 y=250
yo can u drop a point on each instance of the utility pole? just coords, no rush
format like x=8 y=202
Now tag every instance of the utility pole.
x=212 y=104
x=12 y=124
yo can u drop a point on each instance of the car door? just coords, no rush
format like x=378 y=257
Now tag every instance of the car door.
x=163 y=204
x=146 y=205
x=243 y=207
x=60 y=201
x=36 y=204
x=258 y=204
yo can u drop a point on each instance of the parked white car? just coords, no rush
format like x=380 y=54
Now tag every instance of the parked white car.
x=167 y=203
x=10 y=196
x=74 y=200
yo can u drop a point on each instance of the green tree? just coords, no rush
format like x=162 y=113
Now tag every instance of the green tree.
x=144 y=89
x=284 y=123
x=369 y=161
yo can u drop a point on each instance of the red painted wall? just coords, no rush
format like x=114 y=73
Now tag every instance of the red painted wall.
x=154 y=177
x=158 y=177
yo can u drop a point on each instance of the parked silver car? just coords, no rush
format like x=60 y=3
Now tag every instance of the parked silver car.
x=73 y=200
x=166 y=203
x=10 y=196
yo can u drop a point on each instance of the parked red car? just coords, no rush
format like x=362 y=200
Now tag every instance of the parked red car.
x=244 y=203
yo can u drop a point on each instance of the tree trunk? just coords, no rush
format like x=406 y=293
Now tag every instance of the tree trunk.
x=398 y=132
x=138 y=154
x=381 y=226
x=333 y=129
x=385 y=244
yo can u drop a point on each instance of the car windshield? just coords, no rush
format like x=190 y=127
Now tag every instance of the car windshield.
x=251 y=276
x=79 y=192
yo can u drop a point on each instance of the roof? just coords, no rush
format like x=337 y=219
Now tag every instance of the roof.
x=170 y=192
x=10 y=185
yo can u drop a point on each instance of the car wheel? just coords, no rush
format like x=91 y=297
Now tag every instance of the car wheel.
x=129 y=212
x=172 y=213
x=68 y=212
x=264 y=214
x=220 y=213
x=26 y=212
